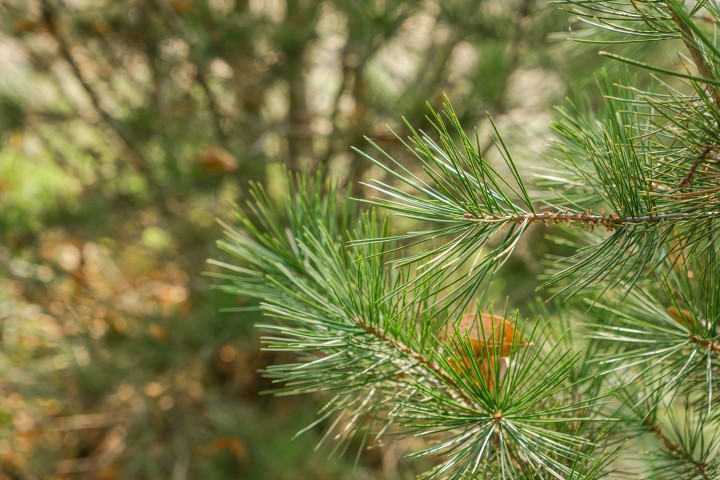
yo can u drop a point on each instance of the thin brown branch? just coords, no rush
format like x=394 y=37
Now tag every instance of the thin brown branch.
x=676 y=449
x=50 y=18
x=691 y=173
x=421 y=360
x=696 y=193
x=610 y=222
x=687 y=180
x=698 y=58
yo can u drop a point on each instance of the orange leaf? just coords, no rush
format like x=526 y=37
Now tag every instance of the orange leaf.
x=489 y=335
x=486 y=333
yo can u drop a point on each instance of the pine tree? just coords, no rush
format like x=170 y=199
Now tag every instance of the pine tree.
x=615 y=374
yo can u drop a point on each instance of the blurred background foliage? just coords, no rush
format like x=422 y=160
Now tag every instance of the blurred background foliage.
x=128 y=127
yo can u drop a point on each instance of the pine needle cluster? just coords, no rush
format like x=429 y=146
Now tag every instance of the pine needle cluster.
x=617 y=378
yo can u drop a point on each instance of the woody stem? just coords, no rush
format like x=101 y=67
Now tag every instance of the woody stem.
x=611 y=221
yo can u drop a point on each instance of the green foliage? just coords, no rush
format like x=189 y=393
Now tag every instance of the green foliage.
x=628 y=353
x=374 y=346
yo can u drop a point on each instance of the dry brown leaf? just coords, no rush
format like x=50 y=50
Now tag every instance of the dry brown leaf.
x=489 y=335
x=486 y=333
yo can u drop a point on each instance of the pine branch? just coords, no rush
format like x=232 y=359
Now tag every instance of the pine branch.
x=610 y=222
x=440 y=378
x=474 y=203
x=688 y=39
x=669 y=340
x=360 y=334
x=383 y=332
x=676 y=449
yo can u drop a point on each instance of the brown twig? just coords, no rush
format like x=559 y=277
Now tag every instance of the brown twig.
x=610 y=222
x=687 y=180
x=696 y=193
x=424 y=362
